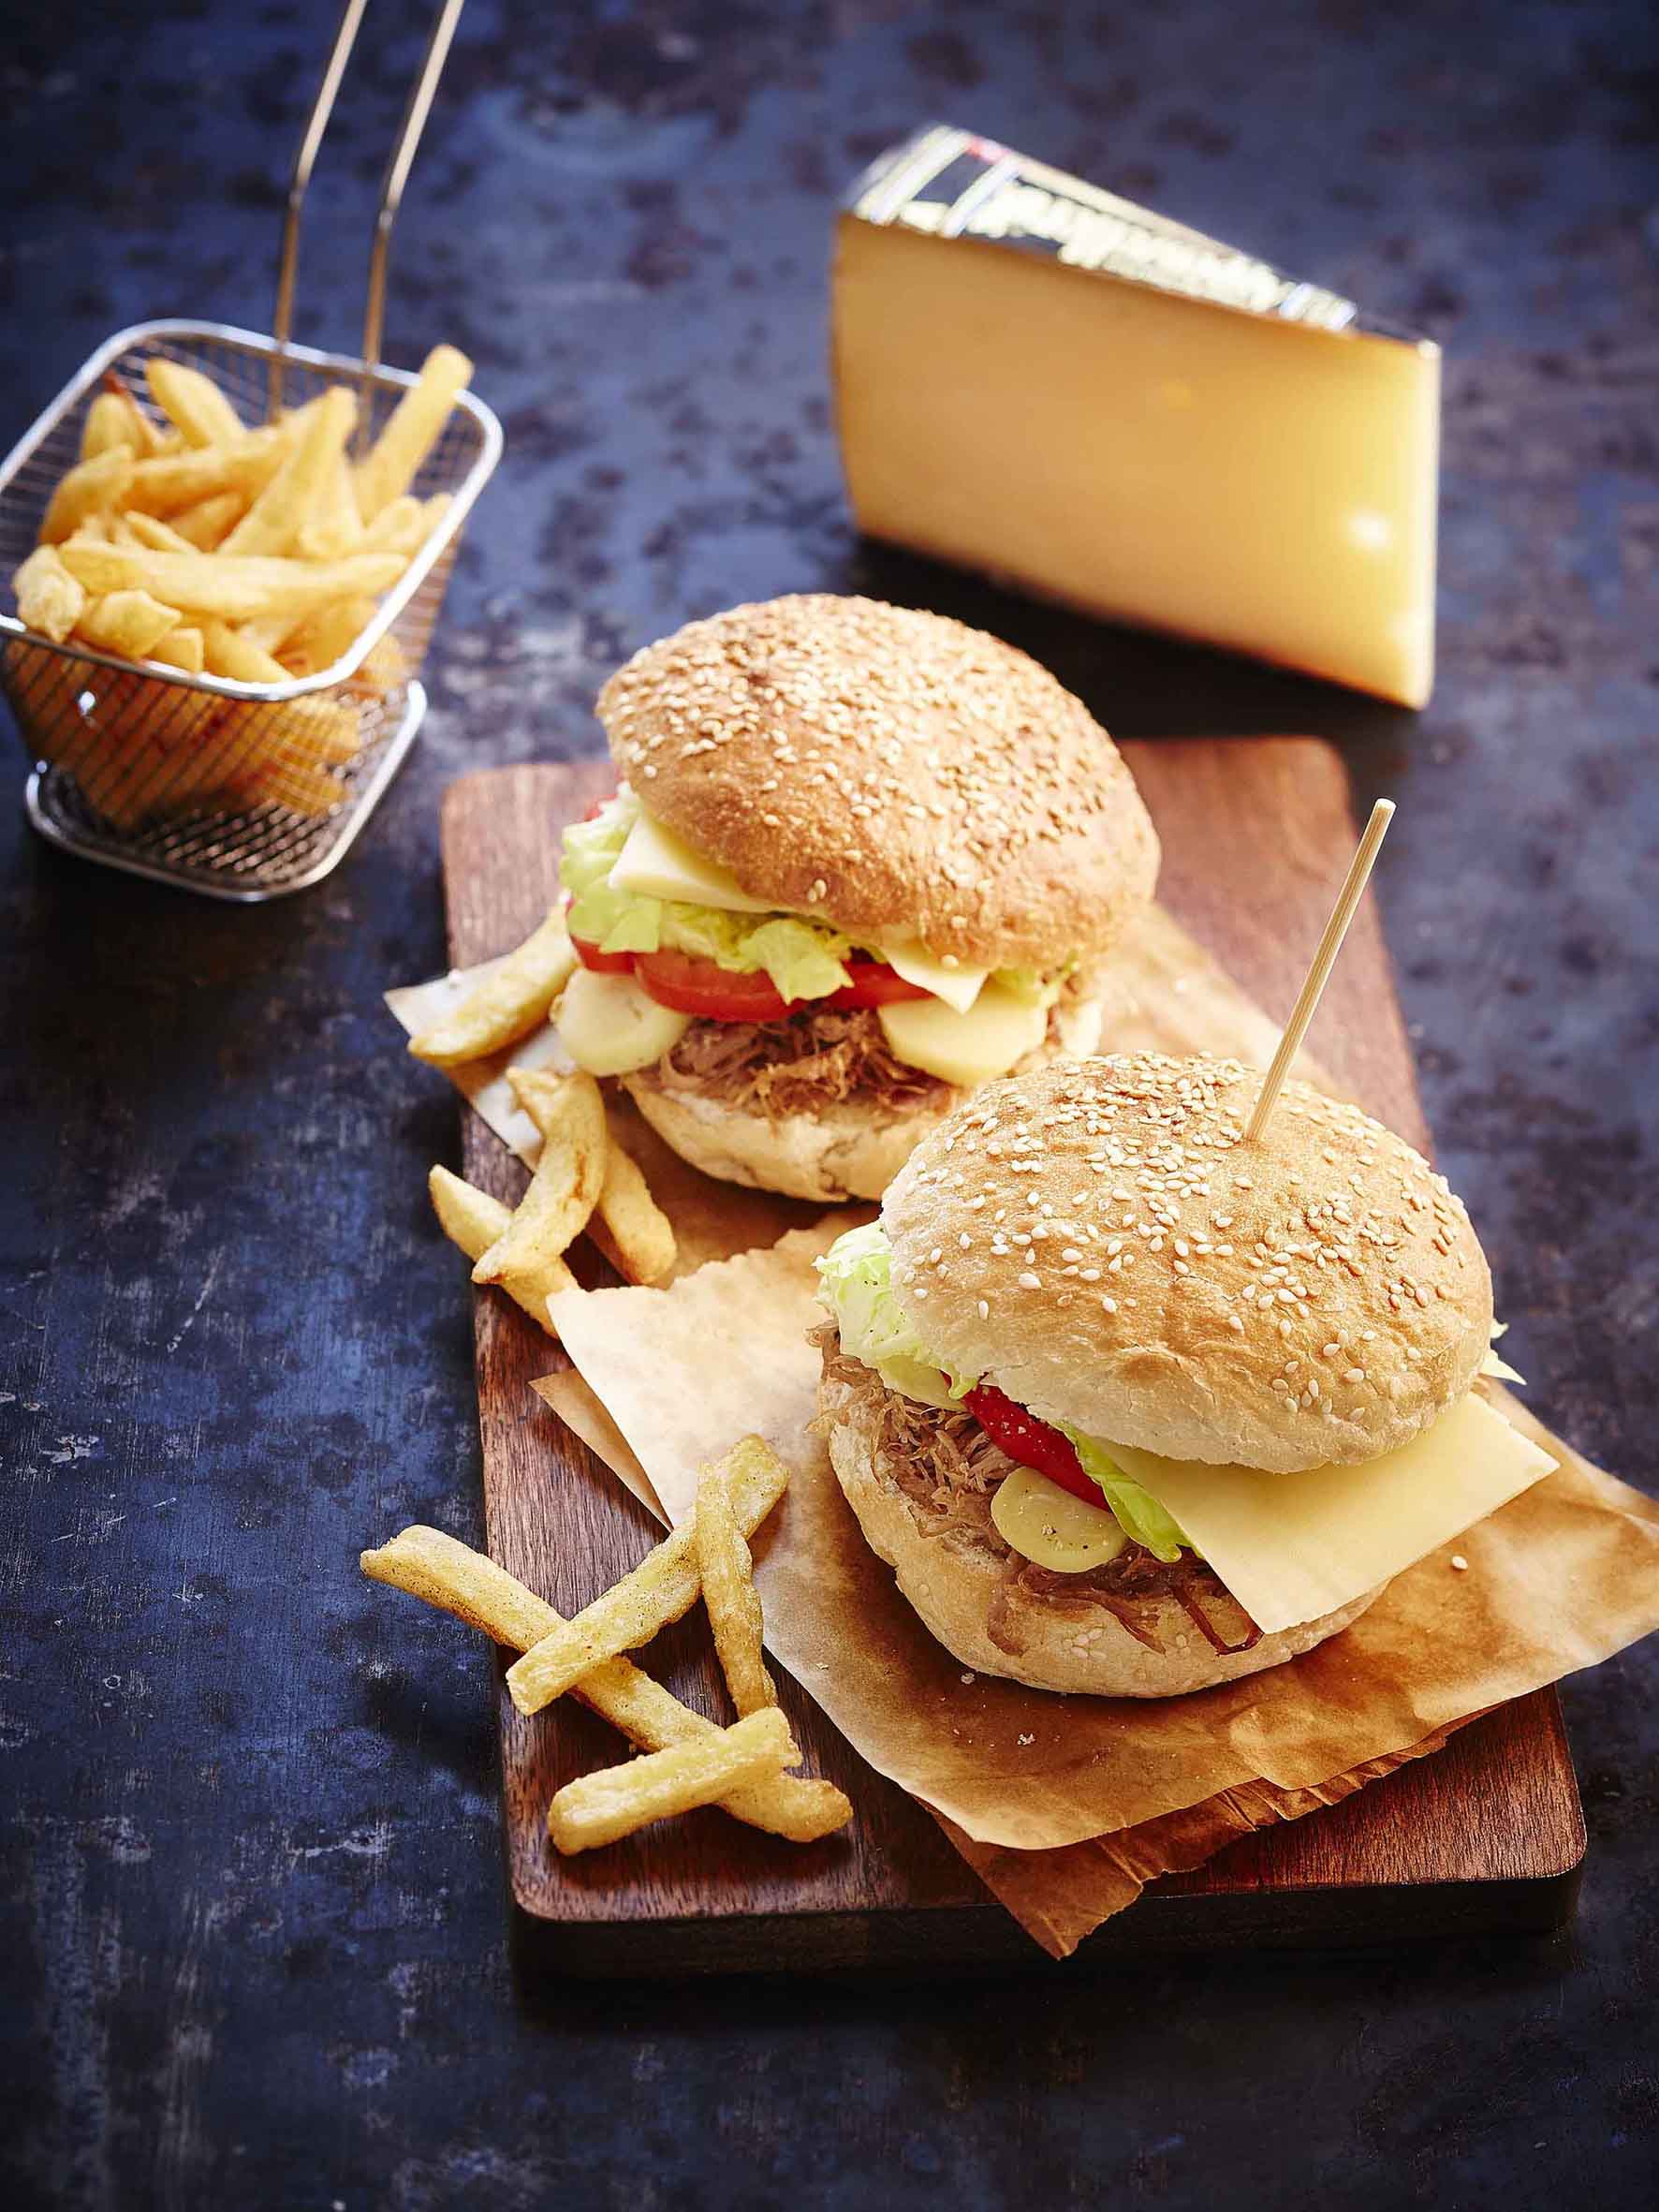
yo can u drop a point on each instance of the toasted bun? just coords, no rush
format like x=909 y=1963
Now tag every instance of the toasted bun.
x=1137 y=1271
x=894 y=772
x=953 y=1578
x=849 y=1152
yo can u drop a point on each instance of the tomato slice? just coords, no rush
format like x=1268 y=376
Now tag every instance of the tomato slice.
x=602 y=963
x=1033 y=1442
x=873 y=983
x=707 y=991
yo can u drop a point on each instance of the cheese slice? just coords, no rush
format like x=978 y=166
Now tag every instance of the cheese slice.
x=656 y=864
x=1292 y=1547
x=1039 y=379
x=965 y=1049
x=958 y=986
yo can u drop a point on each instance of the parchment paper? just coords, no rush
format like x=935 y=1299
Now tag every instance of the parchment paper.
x=1066 y=1807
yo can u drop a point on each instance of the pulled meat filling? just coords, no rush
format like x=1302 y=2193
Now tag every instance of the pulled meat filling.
x=805 y=1063
x=944 y=1461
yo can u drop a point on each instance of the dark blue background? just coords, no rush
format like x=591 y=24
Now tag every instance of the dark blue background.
x=254 y=1943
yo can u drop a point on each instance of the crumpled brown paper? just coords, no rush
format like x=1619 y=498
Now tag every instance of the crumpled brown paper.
x=1066 y=1807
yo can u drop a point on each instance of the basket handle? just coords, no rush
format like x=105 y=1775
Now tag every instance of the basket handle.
x=392 y=190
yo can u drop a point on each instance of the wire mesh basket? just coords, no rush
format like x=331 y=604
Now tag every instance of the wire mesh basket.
x=241 y=791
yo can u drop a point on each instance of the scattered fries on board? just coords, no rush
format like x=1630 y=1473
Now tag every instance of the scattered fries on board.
x=583 y=1179
x=213 y=546
x=688 y=1760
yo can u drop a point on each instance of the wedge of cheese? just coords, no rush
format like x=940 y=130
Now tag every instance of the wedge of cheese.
x=1039 y=379
x=1293 y=1547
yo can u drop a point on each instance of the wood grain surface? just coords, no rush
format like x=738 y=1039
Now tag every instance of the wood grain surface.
x=1487 y=1834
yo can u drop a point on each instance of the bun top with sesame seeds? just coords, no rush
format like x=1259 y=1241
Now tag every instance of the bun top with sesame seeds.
x=1097 y=1240
x=893 y=772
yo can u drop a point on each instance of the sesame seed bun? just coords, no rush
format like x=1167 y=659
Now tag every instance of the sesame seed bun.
x=1095 y=1239
x=847 y=1151
x=896 y=773
x=957 y=1583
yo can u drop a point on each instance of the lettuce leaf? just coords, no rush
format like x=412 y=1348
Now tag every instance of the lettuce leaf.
x=804 y=959
x=855 y=1284
x=1139 y=1514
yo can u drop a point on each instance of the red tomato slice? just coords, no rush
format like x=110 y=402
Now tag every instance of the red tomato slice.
x=873 y=983
x=711 y=993
x=602 y=963
x=1033 y=1442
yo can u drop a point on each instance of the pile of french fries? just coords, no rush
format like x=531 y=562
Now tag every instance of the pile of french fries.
x=215 y=548
x=583 y=1180
x=687 y=1760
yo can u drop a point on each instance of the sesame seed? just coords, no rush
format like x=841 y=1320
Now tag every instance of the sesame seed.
x=1028 y=1281
x=1459 y=1563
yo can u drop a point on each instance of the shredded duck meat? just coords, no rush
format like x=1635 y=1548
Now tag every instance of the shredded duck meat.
x=944 y=1461
x=804 y=1063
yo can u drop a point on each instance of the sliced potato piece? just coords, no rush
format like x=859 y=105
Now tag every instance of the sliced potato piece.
x=600 y=1808
x=506 y=1005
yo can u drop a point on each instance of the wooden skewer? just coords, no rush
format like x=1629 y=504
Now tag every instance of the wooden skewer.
x=1330 y=944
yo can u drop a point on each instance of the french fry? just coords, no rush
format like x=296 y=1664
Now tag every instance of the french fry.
x=726 y=1566
x=146 y=438
x=381 y=670
x=565 y=1184
x=235 y=590
x=150 y=530
x=399 y=527
x=182 y=648
x=473 y=1219
x=194 y=404
x=129 y=624
x=335 y=526
x=210 y=520
x=508 y=1004
x=232 y=653
x=168 y=481
x=440 y=1571
x=603 y=1807
x=661 y=1588
x=325 y=636
x=274 y=521
x=109 y=426
x=628 y=1225
x=49 y=598
x=411 y=430
x=102 y=481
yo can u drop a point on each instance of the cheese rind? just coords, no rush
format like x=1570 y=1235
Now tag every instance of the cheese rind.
x=1240 y=478
x=1292 y=1548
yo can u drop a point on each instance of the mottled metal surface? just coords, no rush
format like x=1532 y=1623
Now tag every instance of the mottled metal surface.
x=254 y=1942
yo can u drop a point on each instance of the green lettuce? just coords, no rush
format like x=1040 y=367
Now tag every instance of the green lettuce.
x=804 y=959
x=855 y=1277
x=1139 y=1512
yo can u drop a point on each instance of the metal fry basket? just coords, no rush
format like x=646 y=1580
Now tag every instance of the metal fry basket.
x=243 y=791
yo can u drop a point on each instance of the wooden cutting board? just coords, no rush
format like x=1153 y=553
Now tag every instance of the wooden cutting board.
x=1487 y=1834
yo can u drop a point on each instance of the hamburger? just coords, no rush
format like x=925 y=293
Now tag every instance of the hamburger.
x=861 y=860
x=1132 y=1406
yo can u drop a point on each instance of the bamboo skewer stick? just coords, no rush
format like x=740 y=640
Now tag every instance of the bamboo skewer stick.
x=1330 y=944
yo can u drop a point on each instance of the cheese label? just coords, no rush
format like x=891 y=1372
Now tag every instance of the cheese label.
x=1293 y=1547
x=954 y=185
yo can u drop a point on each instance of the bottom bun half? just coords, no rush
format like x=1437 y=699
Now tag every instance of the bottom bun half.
x=852 y=1150
x=954 y=1580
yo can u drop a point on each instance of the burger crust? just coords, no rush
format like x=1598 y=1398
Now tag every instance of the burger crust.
x=1318 y=1296
x=896 y=773
x=846 y=1152
x=951 y=1578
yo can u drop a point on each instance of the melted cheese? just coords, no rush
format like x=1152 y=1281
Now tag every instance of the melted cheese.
x=1292 y=1547
x=656 y=864
x=610 y=1027
x=958 y=986
x=1041 y=1522
x=965 y=1049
